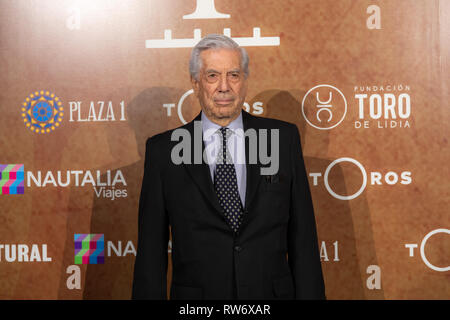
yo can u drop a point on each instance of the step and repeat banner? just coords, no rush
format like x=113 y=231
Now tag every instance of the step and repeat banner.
x=85 y=83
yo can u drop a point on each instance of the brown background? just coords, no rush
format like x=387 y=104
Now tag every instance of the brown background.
x=321 y=42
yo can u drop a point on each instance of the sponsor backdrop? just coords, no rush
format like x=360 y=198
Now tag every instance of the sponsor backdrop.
x=84 y=83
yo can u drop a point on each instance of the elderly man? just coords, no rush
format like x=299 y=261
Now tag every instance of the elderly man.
x=237 y=232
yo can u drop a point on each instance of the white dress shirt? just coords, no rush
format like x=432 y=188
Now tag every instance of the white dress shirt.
x=236 y=148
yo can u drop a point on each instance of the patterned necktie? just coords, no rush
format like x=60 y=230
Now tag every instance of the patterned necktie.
x=225 y=184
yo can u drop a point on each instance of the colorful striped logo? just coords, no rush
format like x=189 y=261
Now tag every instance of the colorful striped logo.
x=89 y=248
x=11 y=179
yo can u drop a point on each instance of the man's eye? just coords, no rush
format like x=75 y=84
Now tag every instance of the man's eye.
x=212 y=75
x=234 y=75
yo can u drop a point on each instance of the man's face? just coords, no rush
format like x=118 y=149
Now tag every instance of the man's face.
x=222 y=86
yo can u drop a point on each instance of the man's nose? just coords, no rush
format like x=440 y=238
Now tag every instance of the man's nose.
x=223 y=84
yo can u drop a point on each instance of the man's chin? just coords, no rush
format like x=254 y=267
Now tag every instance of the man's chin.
x=224 y=107
x=226 y=114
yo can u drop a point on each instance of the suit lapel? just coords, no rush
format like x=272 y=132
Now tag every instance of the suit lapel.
x=200 y=173
x=253 y=170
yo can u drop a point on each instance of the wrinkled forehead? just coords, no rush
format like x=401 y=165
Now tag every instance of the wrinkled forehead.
x=221 y=59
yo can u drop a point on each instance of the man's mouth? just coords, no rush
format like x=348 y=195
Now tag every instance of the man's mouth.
x=223 y=101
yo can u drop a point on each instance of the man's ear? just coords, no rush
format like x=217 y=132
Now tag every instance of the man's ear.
x=195 y=85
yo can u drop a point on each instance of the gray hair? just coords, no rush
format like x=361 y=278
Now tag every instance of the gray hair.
x=215 y=41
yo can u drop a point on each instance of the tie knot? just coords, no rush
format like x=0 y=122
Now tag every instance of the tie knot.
x=225 y=132
x=223 y=155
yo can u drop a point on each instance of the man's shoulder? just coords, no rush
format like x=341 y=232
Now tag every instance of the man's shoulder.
x=164 y=138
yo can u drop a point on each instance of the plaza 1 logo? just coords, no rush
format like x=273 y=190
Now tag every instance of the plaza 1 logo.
x=43 y=111
x=373 y=178
x=98 y=111
x=324 y=107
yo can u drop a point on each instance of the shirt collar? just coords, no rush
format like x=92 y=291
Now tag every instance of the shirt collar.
x=209 y=128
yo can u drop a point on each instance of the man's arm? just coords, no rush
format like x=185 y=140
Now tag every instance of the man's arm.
x=303 y=251
x=150 y=268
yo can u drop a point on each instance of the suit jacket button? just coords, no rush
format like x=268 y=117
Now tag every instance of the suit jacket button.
x=237 y=248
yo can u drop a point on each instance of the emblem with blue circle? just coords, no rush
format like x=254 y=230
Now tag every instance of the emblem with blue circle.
x=42 y=111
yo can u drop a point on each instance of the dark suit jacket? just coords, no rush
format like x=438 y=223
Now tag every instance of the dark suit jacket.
x=275 y=254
